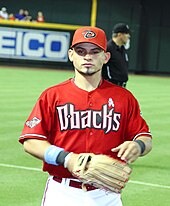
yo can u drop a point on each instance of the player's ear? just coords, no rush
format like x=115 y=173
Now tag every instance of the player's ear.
x=107 y=57
x=70 y=54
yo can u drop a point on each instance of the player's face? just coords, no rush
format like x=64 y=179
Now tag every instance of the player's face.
x=88 y=58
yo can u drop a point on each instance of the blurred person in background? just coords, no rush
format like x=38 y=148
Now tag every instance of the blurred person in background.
x=11 y=17
x=27 y=16
x=40 y=17
x=116 y=70
x=20 y=15
x=3 y=13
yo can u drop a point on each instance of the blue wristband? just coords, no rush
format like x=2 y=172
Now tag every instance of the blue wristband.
x=51 y=154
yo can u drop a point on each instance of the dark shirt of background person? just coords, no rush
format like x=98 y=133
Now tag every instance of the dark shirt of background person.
x=116 y=70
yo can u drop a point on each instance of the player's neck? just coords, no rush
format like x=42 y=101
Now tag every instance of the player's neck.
x=87 y=83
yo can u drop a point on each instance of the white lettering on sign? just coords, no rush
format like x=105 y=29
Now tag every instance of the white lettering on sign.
x=34 y=44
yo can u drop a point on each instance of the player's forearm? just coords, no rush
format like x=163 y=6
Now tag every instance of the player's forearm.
x=148 y=144
x=43 y=150
x=36 y=147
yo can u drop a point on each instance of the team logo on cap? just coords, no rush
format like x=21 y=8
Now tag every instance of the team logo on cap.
x=88 y=34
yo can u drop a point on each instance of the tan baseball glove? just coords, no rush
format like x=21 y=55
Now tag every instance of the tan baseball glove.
x=101 y=171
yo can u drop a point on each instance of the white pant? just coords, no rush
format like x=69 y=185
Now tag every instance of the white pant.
x=57 y=194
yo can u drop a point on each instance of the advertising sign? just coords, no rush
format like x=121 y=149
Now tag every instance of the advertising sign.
x=34 y=44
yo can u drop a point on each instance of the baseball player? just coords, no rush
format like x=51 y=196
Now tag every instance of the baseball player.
x=85 y=115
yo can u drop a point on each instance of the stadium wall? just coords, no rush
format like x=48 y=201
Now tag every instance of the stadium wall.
x=149 y=21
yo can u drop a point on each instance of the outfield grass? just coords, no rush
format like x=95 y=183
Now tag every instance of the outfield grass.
x=20 y=89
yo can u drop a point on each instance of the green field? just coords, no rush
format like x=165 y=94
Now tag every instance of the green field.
x=22 y=182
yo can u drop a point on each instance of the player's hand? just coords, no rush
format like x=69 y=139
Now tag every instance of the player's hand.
x=101 y=171
x=128 y=151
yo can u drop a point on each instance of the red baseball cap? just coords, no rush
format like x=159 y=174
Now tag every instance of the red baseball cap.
x=90 y=34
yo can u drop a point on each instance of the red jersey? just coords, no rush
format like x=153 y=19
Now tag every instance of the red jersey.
x=84 y=122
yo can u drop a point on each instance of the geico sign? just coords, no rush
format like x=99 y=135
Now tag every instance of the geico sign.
x=34 y=44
